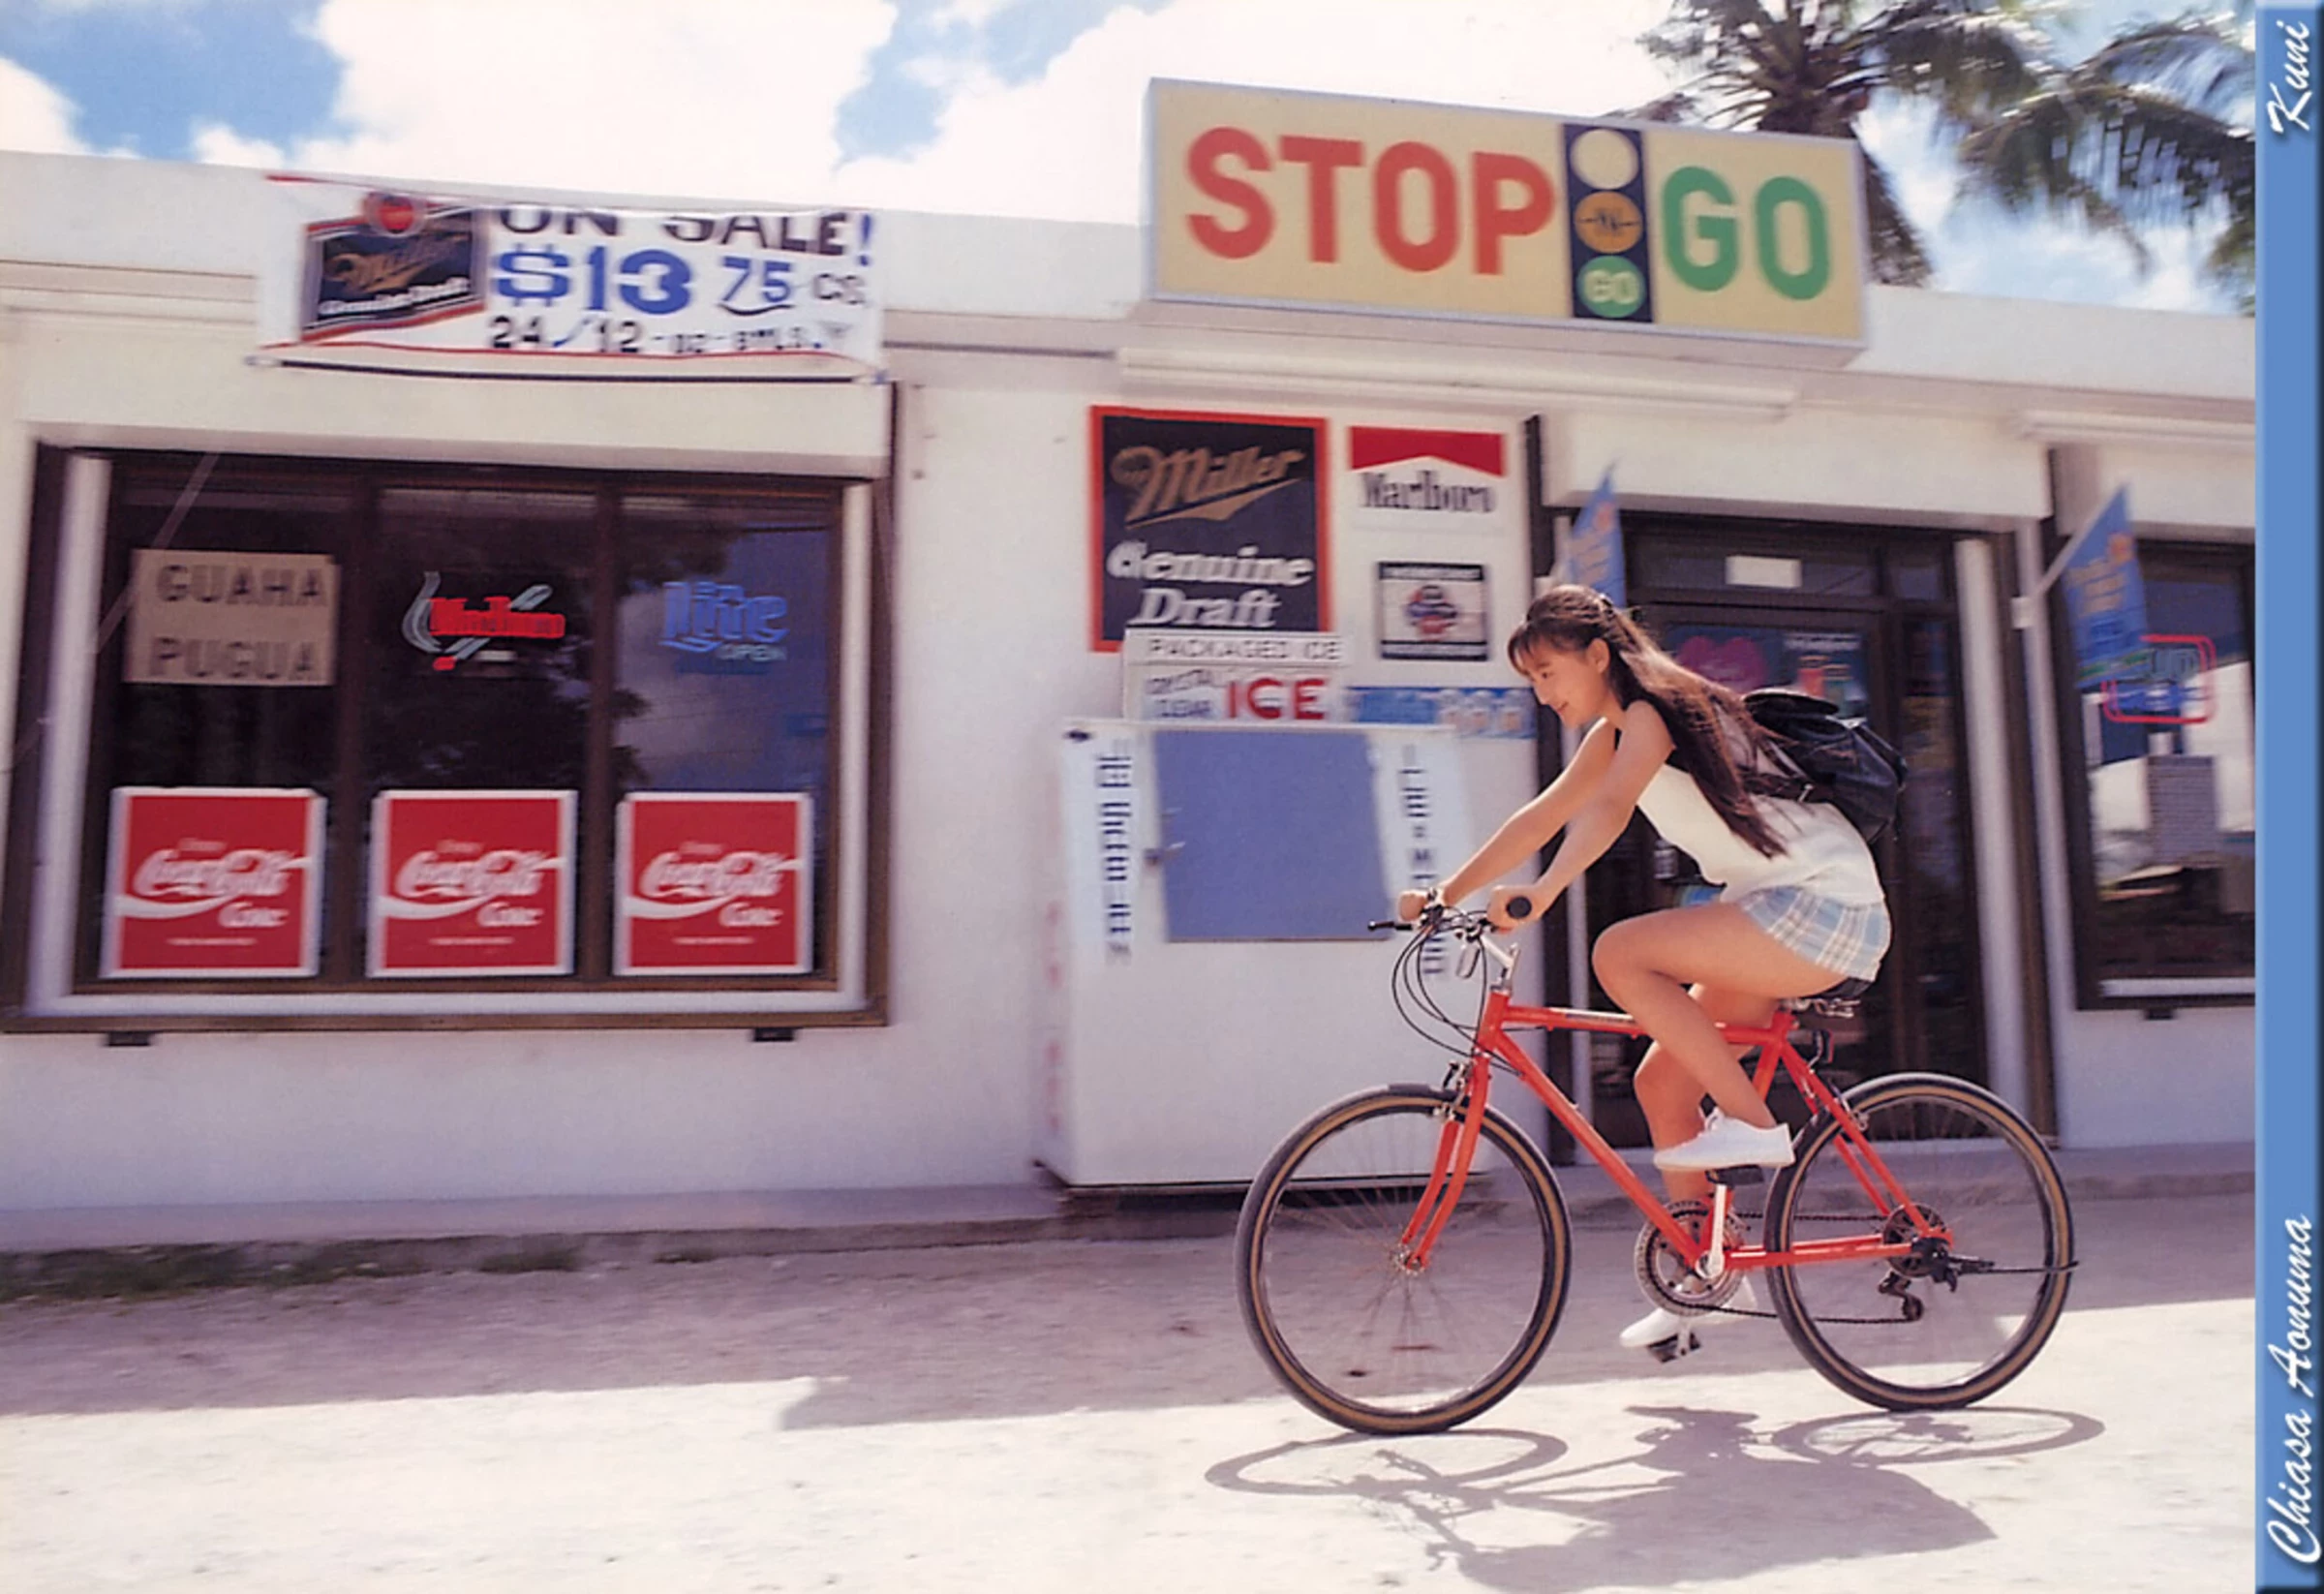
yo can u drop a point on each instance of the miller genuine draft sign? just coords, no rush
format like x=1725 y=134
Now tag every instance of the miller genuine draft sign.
x=1206 y=522
x=1264 y=196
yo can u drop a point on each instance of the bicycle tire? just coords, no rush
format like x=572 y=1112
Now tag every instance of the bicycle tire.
x=1359 y=1339
x=1961 y=1151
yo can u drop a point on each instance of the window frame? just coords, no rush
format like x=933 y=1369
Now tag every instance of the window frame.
x=2153 y=992
x=46 y=984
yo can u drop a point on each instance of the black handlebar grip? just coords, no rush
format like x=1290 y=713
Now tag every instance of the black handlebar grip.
x=1518 y=908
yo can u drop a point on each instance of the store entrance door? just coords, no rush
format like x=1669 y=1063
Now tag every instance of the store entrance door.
x=1901 y=670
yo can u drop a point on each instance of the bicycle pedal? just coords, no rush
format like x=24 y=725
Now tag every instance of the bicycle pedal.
x=1749 y=1173
x=1674 y=1347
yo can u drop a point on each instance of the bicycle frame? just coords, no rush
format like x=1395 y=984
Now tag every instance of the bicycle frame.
x=1492 y=1044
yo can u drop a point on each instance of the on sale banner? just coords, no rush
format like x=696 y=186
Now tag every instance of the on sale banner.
x=361 y=271
x=472 y=882
x=215 y=882
x=713 y=883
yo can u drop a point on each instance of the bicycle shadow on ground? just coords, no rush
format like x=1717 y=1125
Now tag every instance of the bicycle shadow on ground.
x=1698 y=1495
x=905 y=1335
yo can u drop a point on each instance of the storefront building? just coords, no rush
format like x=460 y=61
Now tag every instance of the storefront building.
x=584 y=778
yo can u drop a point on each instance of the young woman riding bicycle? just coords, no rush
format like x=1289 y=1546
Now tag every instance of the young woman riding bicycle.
x=1801 y=908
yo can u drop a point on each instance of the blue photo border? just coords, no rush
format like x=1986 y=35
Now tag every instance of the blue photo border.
x=2288 y=609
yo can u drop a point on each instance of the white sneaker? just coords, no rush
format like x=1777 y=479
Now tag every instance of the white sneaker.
x=1727 y=1143
x=1671 y=1337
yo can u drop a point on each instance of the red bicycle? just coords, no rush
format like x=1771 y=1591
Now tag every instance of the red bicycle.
x=1402 y=1257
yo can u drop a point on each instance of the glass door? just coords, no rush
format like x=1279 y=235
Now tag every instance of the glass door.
x=1901 y=671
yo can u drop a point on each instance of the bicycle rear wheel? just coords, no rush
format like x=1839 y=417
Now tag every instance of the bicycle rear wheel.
x=1948 y=1327
x=1355 y=1332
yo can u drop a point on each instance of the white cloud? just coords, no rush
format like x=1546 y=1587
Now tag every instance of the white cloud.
x=1977 y=248
x=739 y=99
x=70 y=6
x=709 y=98
x=217 y=144
x=1069 y=144
x=34 y=117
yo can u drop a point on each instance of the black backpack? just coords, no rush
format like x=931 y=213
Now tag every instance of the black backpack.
x=1840 y=760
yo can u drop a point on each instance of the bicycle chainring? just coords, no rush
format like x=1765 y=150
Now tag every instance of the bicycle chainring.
x=1667 y=1279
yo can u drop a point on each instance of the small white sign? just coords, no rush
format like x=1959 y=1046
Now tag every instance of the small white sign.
x=1754 y=571
x=1217 y=677
x=1164 y=645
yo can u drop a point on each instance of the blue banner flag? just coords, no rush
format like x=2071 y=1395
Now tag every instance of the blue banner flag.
x=2105 y=599
x=1594 y=547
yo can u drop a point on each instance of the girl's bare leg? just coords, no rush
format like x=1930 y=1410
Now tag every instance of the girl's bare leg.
x=1647 y=964
x=1671 y=1098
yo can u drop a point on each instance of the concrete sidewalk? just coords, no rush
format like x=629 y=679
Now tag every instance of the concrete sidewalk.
x=138 y=1250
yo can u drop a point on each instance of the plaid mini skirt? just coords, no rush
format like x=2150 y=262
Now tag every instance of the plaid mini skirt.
x=1848 y=940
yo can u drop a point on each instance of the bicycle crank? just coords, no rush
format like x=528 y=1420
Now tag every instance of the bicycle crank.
x=1667 y=1278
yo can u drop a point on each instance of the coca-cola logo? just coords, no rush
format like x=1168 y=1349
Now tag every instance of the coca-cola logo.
x=432 y=877
x=673 y=876
x=686 y=883
x=244 y=871
x=178 y=883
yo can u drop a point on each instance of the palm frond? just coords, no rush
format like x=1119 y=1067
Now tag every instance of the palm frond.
x=1899 y=258
x=2200 y=60
x=1968 y=65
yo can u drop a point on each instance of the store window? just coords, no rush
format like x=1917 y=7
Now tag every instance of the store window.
x=2161 y=799
x=360 y=733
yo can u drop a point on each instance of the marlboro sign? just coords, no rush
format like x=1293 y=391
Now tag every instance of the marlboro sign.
x=713 y=883
x=218 y=882
x=472 y=882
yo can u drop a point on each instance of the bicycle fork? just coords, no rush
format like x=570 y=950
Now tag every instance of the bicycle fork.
x=1462 y=1116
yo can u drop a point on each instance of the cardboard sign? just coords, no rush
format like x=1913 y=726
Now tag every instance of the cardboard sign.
x=715 y=883
x=233 y=618
x=218 y=883
x=473 y=284
x=472 y=882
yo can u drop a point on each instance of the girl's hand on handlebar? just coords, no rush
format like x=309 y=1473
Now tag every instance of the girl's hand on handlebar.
x=1510 y=905
x=1411 y=904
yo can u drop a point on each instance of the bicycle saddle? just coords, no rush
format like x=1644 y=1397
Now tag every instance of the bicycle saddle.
x=1838 y=1001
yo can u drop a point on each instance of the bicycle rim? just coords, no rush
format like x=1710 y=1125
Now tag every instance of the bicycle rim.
x=1355 y=1335
x=1904 y=1337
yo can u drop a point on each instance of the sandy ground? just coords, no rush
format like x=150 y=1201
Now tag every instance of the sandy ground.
x=1085 y=1415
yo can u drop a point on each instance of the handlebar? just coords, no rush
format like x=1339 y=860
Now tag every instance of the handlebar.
x=1463 y=922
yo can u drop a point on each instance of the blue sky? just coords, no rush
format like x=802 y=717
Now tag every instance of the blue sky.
x=1004 y=107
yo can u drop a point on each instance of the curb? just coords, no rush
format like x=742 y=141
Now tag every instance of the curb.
x=108 y=1271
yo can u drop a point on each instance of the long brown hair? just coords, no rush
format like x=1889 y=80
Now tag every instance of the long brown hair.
x=1699 y=713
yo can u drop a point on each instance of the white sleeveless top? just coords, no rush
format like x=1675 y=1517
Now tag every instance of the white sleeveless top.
x=1822 y=851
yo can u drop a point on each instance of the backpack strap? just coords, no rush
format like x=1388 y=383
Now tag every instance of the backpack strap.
x=1788 y=783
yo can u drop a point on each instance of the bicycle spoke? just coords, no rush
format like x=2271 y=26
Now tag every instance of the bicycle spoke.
x=1356 y=1330
x=1952 y=1324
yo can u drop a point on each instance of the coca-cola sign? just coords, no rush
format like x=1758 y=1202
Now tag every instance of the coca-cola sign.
x=713 y=883
x=218 y=882
x=472 y=882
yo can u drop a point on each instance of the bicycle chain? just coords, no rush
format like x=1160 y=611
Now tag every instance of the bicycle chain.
x=1865 y=1322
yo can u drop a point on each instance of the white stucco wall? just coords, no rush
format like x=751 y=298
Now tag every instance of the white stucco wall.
x=119 y=326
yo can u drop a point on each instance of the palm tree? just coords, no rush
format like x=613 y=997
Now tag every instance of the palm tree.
x=1813 y=66
x=2149 y=130
x=2145 y=131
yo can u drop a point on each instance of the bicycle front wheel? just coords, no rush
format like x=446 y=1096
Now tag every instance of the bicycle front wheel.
x=1950 y=1325
x=1354 y=1329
